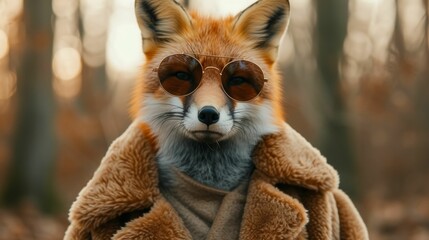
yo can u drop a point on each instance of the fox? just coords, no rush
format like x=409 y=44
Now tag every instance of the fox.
x=209 y=154
x=208 y=117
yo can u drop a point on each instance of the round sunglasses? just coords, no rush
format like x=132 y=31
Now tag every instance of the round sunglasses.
x=181 y=74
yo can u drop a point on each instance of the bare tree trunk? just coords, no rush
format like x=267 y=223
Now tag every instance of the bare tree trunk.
x=31 y=173
x=335 y=140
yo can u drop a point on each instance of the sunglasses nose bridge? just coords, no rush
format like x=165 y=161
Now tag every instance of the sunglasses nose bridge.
x=211 y=74
x=218 y=77
x=211 y=67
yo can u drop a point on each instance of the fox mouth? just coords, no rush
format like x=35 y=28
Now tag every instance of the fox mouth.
x=207 y=136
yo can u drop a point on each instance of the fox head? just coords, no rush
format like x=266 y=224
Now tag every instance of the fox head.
x=208 y=116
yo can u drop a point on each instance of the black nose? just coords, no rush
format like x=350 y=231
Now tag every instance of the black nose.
x=208 y=115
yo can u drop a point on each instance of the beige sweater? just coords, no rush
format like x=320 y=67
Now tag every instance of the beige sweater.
x=293 y=194
x=207 y=213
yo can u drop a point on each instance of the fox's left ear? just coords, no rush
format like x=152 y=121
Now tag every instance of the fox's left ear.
x=264 y=22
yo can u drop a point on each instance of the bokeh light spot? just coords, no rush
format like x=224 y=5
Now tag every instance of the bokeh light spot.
x=4 y=44
x=67 y=64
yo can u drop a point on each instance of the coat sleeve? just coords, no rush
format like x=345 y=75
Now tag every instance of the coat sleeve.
x=350 y=222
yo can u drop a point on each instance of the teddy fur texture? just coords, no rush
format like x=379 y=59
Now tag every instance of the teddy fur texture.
x=293 y=194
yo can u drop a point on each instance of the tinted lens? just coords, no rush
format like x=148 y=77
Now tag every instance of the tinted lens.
x=179 y=74
x=242 y=80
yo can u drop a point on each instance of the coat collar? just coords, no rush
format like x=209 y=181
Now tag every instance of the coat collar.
x=290 y=159
x=127 y=180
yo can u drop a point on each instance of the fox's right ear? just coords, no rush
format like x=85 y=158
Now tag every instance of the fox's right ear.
x=160 y=21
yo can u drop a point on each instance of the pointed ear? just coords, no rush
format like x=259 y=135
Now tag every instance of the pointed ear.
x=264 y=23
x=160 y=21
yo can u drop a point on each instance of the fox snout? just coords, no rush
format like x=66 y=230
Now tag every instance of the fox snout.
x=208 y=115
x=208 y=99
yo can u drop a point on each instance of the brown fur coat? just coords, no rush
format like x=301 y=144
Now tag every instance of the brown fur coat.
x=293 y=194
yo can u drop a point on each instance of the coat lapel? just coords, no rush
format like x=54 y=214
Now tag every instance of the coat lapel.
x=285 y=158
x=162 y=222
x=271 y=214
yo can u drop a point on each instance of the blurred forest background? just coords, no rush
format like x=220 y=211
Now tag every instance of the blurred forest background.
x=356 y=85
